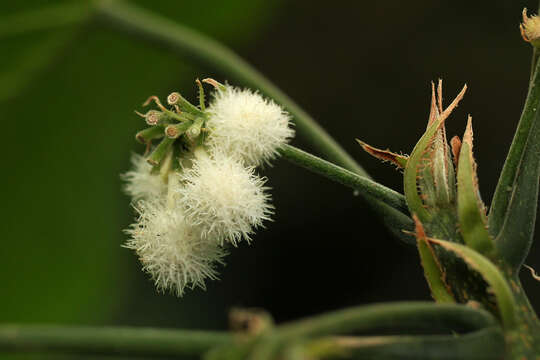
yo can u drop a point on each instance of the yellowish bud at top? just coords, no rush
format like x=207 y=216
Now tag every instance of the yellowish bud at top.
x=530 y=29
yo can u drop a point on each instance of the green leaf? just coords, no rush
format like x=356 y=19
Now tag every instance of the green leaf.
x=490 y=273
x=513 y=209
x=471 y=210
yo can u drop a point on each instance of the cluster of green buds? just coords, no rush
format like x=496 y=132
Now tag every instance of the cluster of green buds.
x=183 y=124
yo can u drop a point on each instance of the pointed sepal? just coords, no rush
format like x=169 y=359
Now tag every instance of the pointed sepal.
x=471 y=209
x=400 y=161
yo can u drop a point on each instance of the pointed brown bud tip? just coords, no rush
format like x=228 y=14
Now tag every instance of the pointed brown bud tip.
x=217 y=85
x=530 y=29
x=455 y=143
x=173 y=98
x=172 y=132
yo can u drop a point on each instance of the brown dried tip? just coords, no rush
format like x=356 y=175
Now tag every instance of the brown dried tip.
x=213 y=82
x=454 y=103
x=399 y=161
x=156 y=100
x=530 y=28
x=436 y=107
x=455 y=143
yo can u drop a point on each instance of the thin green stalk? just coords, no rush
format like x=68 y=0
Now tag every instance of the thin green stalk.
x=365 y=186
x=387 y=203
x=187 y=42
x=108 y=340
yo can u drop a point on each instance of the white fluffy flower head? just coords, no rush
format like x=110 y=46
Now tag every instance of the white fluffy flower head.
x=171 y=250
x=140 y=182
x=224 y=198
x=245 y=125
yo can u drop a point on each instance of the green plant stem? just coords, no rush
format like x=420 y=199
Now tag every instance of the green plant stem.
x=365 y=186
x=395 y=316
x=187 y=42
x=389 y=205
x=160 y=342
x=108 y=340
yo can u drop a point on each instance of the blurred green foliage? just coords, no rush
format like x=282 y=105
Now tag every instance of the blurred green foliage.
x=362 y=68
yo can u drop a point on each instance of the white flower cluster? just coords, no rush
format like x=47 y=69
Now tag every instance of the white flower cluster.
x=213 y=198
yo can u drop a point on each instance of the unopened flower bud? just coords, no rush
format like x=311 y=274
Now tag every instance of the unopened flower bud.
x=152 y=117
x=530 y=29
x=173 y=98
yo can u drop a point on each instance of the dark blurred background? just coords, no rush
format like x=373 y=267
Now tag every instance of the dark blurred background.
x=362 y=69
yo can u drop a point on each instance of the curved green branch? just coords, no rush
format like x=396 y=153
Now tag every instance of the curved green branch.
x=394 y=316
